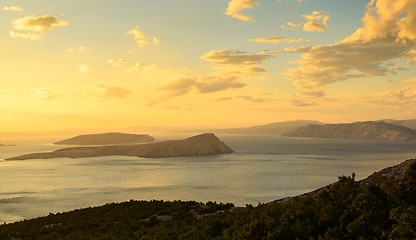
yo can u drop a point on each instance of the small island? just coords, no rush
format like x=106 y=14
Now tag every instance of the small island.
x=204 y=144
x=111 y=138
x=359 y=130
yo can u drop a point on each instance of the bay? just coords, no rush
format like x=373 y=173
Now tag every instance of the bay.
x=262 y=169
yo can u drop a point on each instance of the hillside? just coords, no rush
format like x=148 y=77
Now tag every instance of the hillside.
x=346 y=209
x=359 y=130
x=278 y=128
x=204 y=144
x=106 y=139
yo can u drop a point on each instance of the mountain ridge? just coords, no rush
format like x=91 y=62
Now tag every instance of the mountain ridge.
x=359 y=130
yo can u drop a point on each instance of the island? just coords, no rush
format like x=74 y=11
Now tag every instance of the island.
x=106 y=139
x=204 y=144
x=359 y=130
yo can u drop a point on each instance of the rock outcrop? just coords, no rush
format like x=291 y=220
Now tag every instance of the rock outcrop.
x=359 y=130
x=107 y=139
x=204 y=144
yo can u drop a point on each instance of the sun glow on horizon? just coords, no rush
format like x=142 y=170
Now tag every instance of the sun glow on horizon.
x=205 y=64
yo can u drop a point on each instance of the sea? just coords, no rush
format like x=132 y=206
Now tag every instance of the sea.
x=263 y=168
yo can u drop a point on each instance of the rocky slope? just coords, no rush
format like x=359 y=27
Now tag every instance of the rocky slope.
x=359 y=130
x=107 y=139
x=204 y=144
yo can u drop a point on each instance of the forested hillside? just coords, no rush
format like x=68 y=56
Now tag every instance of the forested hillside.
x=383 y=208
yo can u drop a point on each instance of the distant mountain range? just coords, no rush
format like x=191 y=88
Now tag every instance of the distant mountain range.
x=359 y=130
x=278 y=128
x=410 y=123
x=387 y=129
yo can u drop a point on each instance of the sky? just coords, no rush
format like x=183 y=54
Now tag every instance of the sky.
x=95 y=64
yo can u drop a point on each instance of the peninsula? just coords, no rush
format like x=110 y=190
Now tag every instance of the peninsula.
x=204 y=144
x=111 y=138
x=360 y=130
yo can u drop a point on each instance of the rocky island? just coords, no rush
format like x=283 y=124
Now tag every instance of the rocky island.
x=204 y=144
x=359 y=130
x=107 y=139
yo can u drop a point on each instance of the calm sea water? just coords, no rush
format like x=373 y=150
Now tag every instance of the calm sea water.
x=262 y=169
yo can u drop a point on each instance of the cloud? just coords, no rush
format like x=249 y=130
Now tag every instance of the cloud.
x=369 y=51
x=208 y=84
x=27 y=36
x=13 y=9
x=78 y=49
x=236 y=6
x=236 y=63
x=291 y=25
x=410 y=56
x=234 y=57
x=117 y=62
x=85 y=68
x=46 y=93
x=316 y=22
x=276 y=40
x=396 y=98
x=111 y=91
x=38 y=24
x=242 y=97
x=315 y=94
x=302 y=102
x=323 y=65
x=384 y=18
x=141 y=39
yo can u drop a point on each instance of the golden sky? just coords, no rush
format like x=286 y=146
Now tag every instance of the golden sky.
x=73 y=64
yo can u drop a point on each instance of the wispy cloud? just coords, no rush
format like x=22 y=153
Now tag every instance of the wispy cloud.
x=78 y=49
x=13 y=9
x=237 y=63
x=276 y=40
x=235 y=7
x=27 y=36
x=118 y=62
x=403 y=97
x=46 y=93
x=85 y=68
x=141 y=39
x=207 y=84
x=102 y=90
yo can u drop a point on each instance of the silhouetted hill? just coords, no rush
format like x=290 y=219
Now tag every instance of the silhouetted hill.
x=204 y=144
x=272 y=128
x=359 y=130
x=346 y=209
x=107 y=139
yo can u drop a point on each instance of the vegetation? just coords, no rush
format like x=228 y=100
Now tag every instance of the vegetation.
x=346 y=209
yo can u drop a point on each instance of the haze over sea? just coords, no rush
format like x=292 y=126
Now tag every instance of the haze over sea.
x=262 y=169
